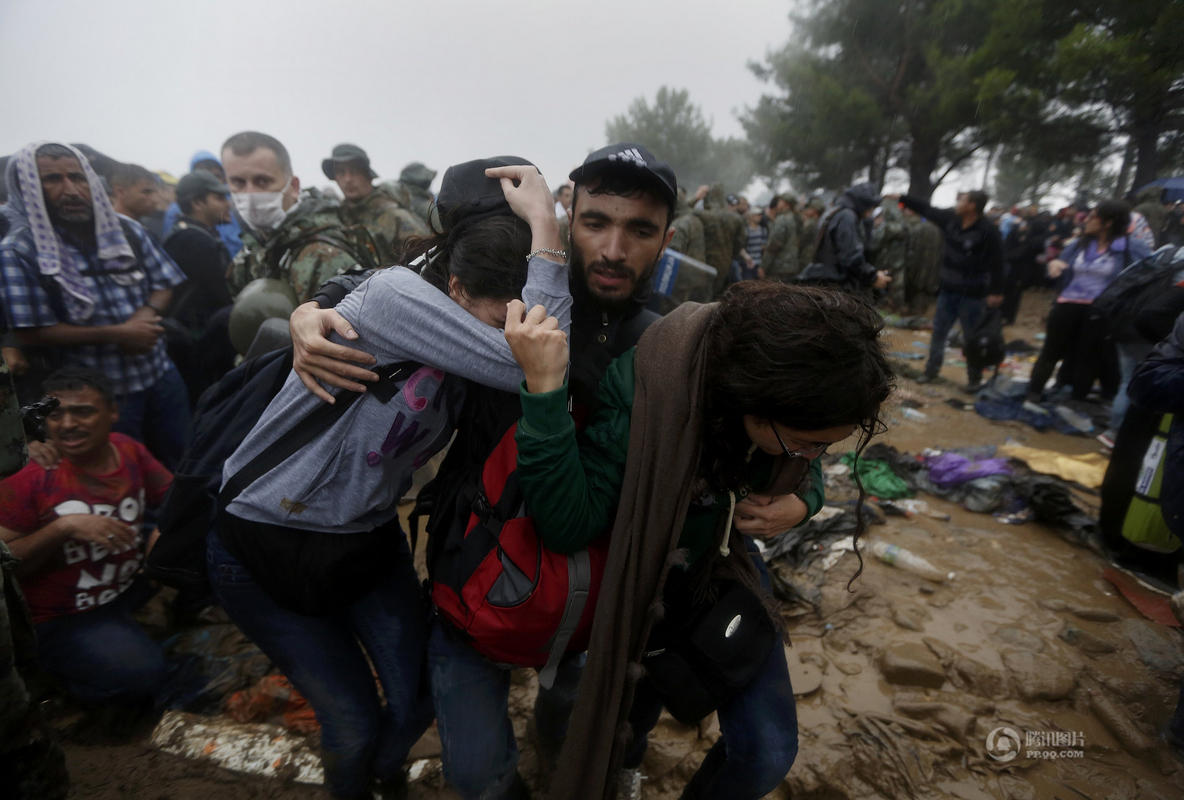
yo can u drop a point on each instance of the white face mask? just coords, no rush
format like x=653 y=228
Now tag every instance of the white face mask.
x=261 y=210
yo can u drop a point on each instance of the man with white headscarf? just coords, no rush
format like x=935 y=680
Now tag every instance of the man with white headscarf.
x=88 y=288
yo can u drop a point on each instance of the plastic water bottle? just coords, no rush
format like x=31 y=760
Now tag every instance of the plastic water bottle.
x=910 y=562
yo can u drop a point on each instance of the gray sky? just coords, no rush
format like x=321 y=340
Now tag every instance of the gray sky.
x=439 y=81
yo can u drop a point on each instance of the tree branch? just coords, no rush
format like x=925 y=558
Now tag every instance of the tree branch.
x=956 y=162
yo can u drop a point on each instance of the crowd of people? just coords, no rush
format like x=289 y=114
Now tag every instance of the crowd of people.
x=643 y=451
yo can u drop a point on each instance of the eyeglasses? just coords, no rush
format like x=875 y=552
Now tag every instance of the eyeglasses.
x=805 y=452
x=796 y=465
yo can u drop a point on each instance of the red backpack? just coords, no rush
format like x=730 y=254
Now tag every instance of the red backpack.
x=514 y=600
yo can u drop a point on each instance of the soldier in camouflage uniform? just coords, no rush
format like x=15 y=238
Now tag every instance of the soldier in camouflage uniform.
x=688 y=230
x=923 y=262
x=724 y=234
x=780 y=260
x=294 y=236
x=388 y=223
x=888 y=250
x=808 y=235
x=413 y=190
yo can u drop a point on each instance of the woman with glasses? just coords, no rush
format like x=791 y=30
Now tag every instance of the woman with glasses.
x=716 y=402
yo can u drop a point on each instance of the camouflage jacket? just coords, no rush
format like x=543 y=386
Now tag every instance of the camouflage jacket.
x=923 y=264
x=388 y=223
x=780 y=260
x=310 y=246
x=888 y=249
x=688 y=236
x=807 y=241
x=416 y=200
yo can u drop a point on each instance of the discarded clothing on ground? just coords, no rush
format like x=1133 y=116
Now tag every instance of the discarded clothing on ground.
x=877 y=477
x=1087 y=469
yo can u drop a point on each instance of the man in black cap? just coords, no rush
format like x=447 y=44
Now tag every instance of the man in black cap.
x=388 y=223
x=622 y=207
x=199 y=310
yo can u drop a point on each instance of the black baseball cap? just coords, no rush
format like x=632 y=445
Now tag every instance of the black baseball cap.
x=198 y=184
x=467 y=194
x=345 y=154
x=632 y=155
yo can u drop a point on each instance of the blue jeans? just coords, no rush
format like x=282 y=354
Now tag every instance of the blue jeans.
x=1129 y=356
x=758 y=732
x=951 y=308
x=159 y=417
x=471 y=695
x=325 y=658
x=103 y=655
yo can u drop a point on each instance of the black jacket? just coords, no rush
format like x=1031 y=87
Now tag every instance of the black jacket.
x=972 y=263
x=841 y=255
x=202 y=256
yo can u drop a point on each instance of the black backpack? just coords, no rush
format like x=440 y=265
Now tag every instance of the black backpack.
x=1133 y=288
x=983 y=346
x=225 y=414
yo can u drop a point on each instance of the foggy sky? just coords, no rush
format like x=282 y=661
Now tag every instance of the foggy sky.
x=441 y=81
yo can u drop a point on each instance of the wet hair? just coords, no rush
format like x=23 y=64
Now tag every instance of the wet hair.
x=622 y=180
x=978 y=198
x=1115 y=215
x=803 y=357
x=486 y=255
x=54 y=150
x=128 y=175
x=247 y=142
x=72 y=379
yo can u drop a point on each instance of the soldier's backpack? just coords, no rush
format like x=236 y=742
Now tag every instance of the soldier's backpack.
x=515 y=601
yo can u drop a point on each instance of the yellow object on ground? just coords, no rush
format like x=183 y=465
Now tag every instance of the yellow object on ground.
x=1087 y=469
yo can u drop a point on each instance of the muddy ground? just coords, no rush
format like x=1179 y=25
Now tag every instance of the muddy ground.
x=899 y=681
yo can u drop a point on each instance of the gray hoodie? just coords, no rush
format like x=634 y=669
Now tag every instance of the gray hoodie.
x=350 y=478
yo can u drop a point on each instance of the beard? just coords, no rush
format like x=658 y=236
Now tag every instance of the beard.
x=582 y=270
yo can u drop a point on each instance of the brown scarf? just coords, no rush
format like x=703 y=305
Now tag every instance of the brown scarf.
x=665 y=438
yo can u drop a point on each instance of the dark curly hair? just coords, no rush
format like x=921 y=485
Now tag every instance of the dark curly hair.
x=803 y=357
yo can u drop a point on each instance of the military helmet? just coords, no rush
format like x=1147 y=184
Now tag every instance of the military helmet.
x=261 y=299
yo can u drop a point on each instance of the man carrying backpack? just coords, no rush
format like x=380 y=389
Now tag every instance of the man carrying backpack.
x=615 y=248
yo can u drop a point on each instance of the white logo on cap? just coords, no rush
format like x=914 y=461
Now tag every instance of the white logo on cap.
x=629 y=155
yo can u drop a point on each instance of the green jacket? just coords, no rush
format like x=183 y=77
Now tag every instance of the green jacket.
x=572 y=488
x=780 y=259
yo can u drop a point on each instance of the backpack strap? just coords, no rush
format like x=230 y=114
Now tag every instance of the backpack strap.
x=312 y=426
x=579 y=586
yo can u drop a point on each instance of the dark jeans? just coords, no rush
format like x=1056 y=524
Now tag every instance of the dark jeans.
x=159 y=417
x=953 y=307
x=758 y=732
x=328 y=659
x=1081 y=341
x=103 y=655
x=471 y=696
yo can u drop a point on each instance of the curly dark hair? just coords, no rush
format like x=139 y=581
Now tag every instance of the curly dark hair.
x=803 y=357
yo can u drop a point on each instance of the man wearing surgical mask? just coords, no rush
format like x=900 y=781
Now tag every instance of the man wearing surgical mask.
x=288 y=234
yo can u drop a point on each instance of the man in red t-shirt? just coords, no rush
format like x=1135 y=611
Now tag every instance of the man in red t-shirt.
x=77 y=530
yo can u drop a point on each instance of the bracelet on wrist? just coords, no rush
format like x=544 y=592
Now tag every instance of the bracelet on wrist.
x=560 y=254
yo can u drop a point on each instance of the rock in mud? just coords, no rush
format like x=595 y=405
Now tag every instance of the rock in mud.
x=1160 y=651
x=910 y=664
x=1085 y=641
x=1125 y=730
x=977 y=678
x=805 y=677
x=955 y=721
x=1037 y=678
x=910 y=617
x=1052 y=604
x=1020 y=637
x=1094 y=614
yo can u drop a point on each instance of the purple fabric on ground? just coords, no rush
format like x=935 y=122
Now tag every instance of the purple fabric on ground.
x=950 y=469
